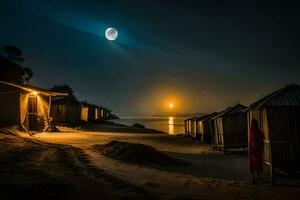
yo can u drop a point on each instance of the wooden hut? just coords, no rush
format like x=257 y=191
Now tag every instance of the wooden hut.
x=93 y=113
x=278 y=116
x=203 y=128
x=190 y=126
x=230 y=128
x=106 y=114
x=26 y=106
x=66 y=111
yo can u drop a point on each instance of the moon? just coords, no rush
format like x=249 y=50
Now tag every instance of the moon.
x=111 y=34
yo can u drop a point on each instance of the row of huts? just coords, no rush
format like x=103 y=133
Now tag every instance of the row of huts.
x=72 y=112
x=36 y=109
x=278 y=116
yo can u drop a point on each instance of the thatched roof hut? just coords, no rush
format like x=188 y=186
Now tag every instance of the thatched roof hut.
x=230 y=128
x=26 y=106
x=203 y=128
x=278 y=116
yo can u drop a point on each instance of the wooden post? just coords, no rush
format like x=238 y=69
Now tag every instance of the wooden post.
x=272 y=172
x=273 y=180
x=49 y=111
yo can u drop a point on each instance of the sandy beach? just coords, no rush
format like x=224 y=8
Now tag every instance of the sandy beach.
x=64 y=165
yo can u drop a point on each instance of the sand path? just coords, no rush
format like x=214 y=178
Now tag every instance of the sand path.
x=69 y=166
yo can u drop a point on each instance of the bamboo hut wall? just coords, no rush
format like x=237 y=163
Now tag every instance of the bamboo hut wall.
x=185 y=126
x=219 y=131
x=207 y=134
x=59 y=113
x=261 y=117
x=235 y=130
x=190 y=126
x=102 y=114
x=66 y=111
x=75 y=113
x=194 y=127
x=213 y=126
x=91 y=113
x=97 y=114
x=197 y=126
x=9 y=106
x=284 y=133
x=281 y=128
x=84 y=113
x=200 y=130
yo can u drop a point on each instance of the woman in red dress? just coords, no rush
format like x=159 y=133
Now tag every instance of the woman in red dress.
x=255 y=149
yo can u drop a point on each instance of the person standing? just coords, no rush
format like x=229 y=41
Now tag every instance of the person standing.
x=255 y=149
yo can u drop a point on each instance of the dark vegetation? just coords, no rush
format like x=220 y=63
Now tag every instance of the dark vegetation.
x=11 y=66
x=64 y=89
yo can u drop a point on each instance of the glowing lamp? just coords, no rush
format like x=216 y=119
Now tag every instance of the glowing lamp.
x=34 y=93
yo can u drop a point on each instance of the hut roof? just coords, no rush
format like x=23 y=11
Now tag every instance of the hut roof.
x=190 y=118
x=231 y=110
x=207 y=117
x=30 y=88
x=287 y=96
x=64 y=99
x=103 y=108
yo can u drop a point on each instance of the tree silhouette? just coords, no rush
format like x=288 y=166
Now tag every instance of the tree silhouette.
x=11 y=68
x=13 y=53
x=64 y=89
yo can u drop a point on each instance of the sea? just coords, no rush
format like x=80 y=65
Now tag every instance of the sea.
x=170 y=125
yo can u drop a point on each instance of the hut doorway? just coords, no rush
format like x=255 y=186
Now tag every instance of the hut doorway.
x=32 y=113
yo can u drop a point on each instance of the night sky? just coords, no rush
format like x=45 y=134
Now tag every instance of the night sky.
x=203 y=55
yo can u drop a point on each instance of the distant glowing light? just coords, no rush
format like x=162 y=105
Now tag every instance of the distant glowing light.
x=171 y=105
x=111 y=34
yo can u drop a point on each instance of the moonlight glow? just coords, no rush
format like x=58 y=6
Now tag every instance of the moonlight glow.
x=111 y=34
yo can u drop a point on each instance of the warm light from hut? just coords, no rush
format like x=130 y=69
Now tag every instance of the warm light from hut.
x=34 y=93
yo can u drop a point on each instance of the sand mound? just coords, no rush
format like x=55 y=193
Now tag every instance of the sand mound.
x=138 y=153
